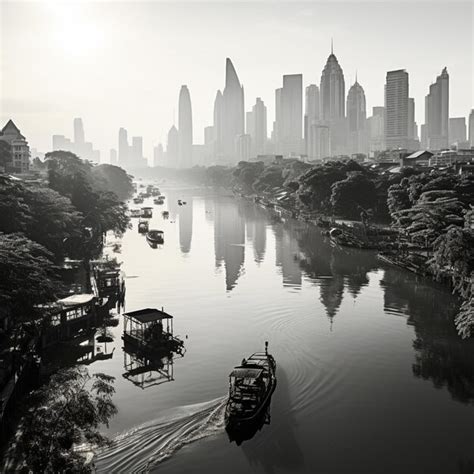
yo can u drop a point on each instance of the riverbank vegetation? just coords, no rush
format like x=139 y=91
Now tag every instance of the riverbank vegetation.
x=63 y=213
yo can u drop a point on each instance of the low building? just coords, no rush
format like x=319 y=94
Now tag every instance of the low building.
x=20 y=151
x=452 y=157
x=419 y=158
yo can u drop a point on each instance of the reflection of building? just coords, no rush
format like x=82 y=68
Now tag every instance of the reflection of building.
x=186 y=225
x=20 y=151
x=287 y=256
x=229 y=240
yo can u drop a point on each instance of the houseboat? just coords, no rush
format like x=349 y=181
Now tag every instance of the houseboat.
x=155 y=236
x=143 y=226
x=146 y=212
x=135 y=213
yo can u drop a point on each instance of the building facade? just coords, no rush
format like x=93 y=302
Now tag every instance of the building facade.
x=396 y=109
x=185 y=129
x=357 y=120
x=19 y=149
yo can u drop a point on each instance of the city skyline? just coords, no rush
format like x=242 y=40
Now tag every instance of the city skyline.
x=260 y=72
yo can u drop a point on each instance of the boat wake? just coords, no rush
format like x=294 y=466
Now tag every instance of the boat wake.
x=142 y=447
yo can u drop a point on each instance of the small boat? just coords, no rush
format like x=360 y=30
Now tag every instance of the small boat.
x=138 y=200
x=134 y=212
x=155 y=236
x=165 y=214
x=146 y=212
x=180 y=203
x=159 y=201
x=251 y=386
x=143 y=226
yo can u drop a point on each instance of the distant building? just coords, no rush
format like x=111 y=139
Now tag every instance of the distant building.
x=396 y=109
x=311 y=117
x=20 y=151
x=158 y=156
x=452 y=157
x=185 y=129
x=123 y=148
x=172 y=148
x=457 y=131
x=257 y=127
x=471 y=128
x=113 y=156
x=137 y=160
x=376 y=130
x=79 y=137
x=243 y=143
x=419 y=158
x=436 y=134
x=357 y=120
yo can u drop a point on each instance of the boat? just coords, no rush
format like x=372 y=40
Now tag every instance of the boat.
x=146 y=212
x=158 y=200
x=165 y=214
x=143 y=226
x=134 y=212
x=138 y=200
x=155 y=236
x=180 y=203
x=252 y=384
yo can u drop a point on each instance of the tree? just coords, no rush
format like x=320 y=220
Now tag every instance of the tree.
x=64 y=413
x=113 y=179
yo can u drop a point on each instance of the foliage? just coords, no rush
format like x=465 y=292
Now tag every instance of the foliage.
x=66 y=412
x=464 y=320
x=114 y=179
x=246 y=173
x=27 y=274
x=352 y=195
x=271 y=178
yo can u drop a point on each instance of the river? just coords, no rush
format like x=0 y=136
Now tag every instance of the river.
x=371 y=375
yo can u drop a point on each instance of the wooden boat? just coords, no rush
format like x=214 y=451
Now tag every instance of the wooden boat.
x=155 y=236
x=143 y=226
x=138 y=200
x=146 y=212
x=134 y=212
x=251 y=386
x=159 y=201
x=165 y=214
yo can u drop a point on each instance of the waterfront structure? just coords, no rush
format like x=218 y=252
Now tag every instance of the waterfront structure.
x=20 y=151
x=172 y=148
x=436 y=131
x=113 y=156
x=396 y=109
x=357 y=120
x=311 y=116
x=332 y=104
x=256 y=127
x=230 y=114
x=185 y=129
x=471 y=129
x=376 y=130
x=289 y=116
x=457 y=131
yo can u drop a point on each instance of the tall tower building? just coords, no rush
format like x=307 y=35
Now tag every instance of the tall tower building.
x=185 y=129
x=436 y=132
x=123 y=148
x=311 y=115
x=257 y=127
x=113 y=156
x=357 y=119
x=158 y=155
x=396 y=109
x=457 y=131
x=376 y=129
x=218 y=123
x=172 y=148
x=233 y=113
x=78 y=132
x=471 y=129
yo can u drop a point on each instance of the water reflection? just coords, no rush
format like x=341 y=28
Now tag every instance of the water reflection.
x=186 y=225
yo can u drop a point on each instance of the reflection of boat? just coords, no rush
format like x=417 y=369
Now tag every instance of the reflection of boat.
x=155 y=236
x=143 y=226
x=251 y=386
x=248 y=430
x=134 y=212
x=146 y=212
x=165 y=214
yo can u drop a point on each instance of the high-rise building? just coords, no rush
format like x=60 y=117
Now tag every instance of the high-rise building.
x=457 y=131
x=158 y=155
x=123 y=148
x=376 y=129
x=218 y=123
x=243 y=144
x=311 y=116
x=357 y=120
x=471 y=128
x=332 y=104
x=396 y=109
x=78 y=131
x=20 y=151
x=172 y=148
x=256 y=127
x=137 y=159
x=113 y=156
x=437 y=113
x=232 y=118
x=185 y=129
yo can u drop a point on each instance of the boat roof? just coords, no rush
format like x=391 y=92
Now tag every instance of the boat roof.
x=245 y=372
x=148 y=315
x=76 y=299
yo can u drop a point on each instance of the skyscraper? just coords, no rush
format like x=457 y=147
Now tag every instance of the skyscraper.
x=185 y=129
x=257 y=127
x=218 y=122
x=311 y=115
x=123 y=148
x=233 y=113
x=357 y=118
x=376 y=129
x=172 y=148
x=332 y=98
x=78 y=131
x=158 y=155
x=457 y=131
x=437 y=113
x=396 y=109
x=113 y=156
x=471 y=128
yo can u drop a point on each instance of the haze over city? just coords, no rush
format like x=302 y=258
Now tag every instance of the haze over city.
x=122 y=64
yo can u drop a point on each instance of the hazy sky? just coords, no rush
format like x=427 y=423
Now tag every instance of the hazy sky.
x=121 y=64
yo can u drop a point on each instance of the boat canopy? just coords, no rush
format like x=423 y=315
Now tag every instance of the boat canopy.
x=244 y=372
x=76 y=299
x=148 y=315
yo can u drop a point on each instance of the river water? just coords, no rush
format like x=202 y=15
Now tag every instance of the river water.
x=371 y=375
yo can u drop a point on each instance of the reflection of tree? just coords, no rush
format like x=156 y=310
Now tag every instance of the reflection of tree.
x=440 y=354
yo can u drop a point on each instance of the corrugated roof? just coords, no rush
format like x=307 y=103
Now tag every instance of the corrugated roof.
x=148 y=315
x=243 y=372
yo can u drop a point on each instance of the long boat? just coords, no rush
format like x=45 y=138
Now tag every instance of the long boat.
x=155 y=236
x=251 y=385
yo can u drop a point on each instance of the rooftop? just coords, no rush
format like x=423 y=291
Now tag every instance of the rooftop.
x=244 y=372
x=148 y=315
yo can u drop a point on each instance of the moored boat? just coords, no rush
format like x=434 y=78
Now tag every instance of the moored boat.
x=143 y=226
x=146 y=212
x=165 y=214
x=155 y=236
x=134 y=212
x=251 y=386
